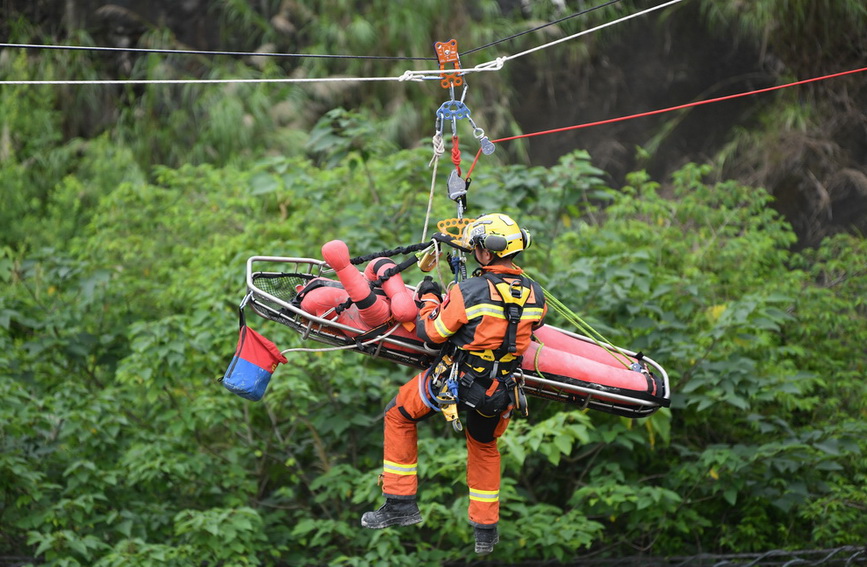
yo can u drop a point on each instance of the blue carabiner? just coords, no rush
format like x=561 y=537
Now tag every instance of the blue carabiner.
x=452 y=385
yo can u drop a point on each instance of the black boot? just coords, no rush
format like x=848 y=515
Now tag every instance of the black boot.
x=395 y=512
x=486 y=538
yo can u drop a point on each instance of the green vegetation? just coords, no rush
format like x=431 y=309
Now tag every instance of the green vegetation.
x=120 y=447
x=121 y=262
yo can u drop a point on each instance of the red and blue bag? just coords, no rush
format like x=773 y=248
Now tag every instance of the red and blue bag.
x=254 y=362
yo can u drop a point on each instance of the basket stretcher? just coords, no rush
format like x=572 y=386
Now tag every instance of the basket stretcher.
x=559 y=365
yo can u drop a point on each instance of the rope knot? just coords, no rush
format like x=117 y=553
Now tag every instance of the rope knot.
x=439 y=148
x=456 y=153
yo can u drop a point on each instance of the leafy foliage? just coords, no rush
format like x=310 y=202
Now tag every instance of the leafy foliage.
x=120 y=447
x=121 y=262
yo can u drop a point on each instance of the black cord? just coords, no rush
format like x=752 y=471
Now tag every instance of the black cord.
x=389 y=253
x=203 y=52
x=295 y=55
x=537 y=28
x=396 y=269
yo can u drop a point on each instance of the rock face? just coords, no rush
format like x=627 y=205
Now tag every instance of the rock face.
x=818 y=174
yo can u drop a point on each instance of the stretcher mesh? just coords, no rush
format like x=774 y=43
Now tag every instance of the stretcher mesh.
x=282 y=286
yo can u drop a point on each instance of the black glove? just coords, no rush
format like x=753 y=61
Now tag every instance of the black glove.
x=428 y=285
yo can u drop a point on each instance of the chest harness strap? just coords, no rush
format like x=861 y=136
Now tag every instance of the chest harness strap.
x=465 y=376
x=481 y=368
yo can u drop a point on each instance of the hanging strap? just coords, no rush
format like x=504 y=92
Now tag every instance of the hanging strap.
x=514 y=295
x=242 y=335
x=242 y=318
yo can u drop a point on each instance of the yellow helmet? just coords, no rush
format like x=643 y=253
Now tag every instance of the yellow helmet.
x=498 y=233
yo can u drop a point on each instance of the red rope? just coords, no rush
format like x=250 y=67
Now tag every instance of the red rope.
x=472 y=167
x=671 y=108
x=456 y=154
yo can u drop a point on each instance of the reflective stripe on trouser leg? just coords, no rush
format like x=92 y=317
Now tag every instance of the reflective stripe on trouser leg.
x=483 y=475
x=400 y=449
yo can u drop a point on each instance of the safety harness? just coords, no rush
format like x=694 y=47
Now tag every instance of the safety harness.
x=465 y=376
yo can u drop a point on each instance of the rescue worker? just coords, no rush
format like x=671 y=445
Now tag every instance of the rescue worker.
x=485 y=324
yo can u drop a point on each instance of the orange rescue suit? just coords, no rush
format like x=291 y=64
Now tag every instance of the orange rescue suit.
x=472 y=317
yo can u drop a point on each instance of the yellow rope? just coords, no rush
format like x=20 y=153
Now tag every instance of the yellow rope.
x=584 y=328
x=536 y=359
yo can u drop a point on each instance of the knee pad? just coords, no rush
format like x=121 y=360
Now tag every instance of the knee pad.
x=481 y=428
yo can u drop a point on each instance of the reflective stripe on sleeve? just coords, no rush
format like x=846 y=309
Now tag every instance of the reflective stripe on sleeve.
x=442 y=329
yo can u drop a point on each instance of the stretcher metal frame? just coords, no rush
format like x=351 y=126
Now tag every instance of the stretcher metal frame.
x=416 y=354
